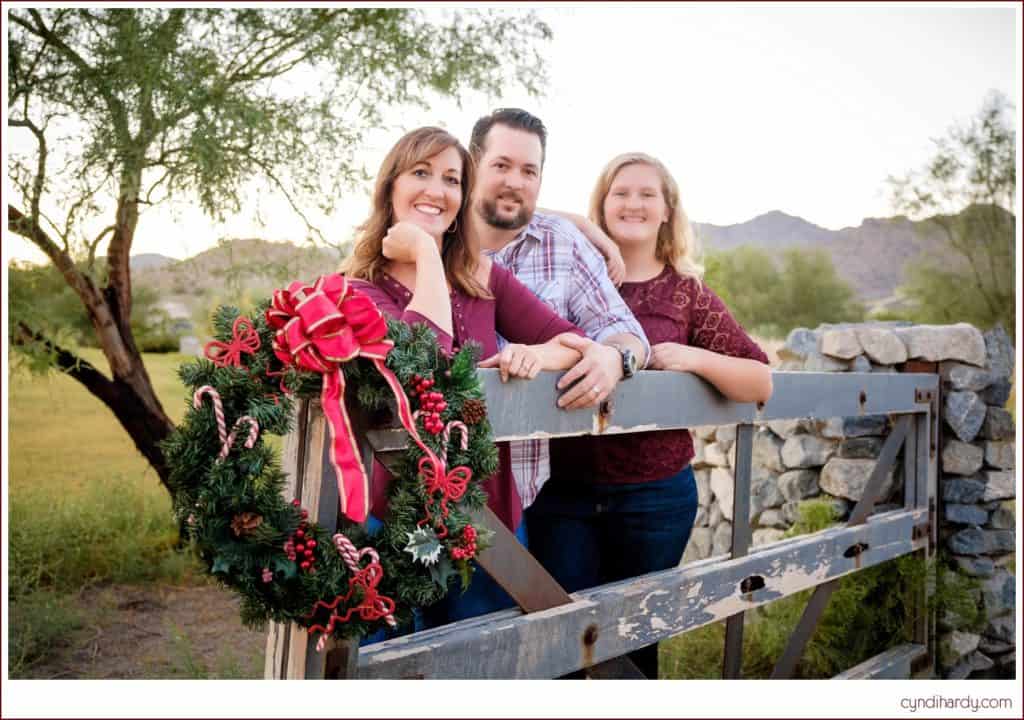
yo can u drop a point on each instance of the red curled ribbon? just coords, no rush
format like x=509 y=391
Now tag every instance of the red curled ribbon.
x=244 y=339
x=318 y=328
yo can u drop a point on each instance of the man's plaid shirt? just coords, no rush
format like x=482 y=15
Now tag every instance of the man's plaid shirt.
x=553 y=258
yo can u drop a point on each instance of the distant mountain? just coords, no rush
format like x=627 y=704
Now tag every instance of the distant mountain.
x=871 y=257
x=245 y=267
x=148 y=261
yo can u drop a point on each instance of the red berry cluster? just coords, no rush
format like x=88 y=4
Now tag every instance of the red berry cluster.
x=467 y=545
x=432 y=403
x=300 y=546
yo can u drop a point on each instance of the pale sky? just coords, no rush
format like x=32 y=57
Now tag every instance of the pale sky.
x=801 y=109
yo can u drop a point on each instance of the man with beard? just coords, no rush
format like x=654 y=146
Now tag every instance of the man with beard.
x=552 y=257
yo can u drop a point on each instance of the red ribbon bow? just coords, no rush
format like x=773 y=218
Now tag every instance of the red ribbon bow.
x=373 y=605
x=244 y=339
x=319 y=327
x=451 y=484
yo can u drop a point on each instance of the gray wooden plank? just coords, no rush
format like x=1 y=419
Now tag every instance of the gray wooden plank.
x=637 y=612
x=893 y=664
x=733 y=657
x=660 y=400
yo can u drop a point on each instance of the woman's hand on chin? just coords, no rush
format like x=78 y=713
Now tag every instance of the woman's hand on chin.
x=673 y=356
x=405 y=242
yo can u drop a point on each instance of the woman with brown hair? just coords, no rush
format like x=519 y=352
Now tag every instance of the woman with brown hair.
x=413 y=258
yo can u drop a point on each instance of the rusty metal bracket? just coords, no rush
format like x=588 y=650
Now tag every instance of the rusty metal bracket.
x=924 y=395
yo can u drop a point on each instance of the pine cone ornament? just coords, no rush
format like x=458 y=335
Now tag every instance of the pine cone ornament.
x=245 y=523
x=473 y=411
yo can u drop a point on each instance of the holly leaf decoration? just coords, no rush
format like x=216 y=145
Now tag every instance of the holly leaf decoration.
x=424 y=546
x=441 y=571
x=221 y=564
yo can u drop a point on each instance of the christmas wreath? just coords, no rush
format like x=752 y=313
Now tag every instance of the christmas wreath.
x=227 y=483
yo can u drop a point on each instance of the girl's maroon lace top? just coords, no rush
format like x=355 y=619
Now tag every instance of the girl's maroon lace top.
x=671 y=308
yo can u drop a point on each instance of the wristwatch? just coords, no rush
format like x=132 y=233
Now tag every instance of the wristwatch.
x=629 y=363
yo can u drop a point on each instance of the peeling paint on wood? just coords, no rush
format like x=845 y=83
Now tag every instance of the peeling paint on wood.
x=635 y=612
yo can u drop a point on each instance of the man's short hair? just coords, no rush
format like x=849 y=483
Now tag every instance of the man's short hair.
x=514 y=118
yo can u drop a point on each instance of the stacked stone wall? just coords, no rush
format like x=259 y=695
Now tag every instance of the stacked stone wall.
x=796 y=460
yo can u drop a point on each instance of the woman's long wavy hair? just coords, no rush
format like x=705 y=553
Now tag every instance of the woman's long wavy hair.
x=677 y=244
x=367 y=260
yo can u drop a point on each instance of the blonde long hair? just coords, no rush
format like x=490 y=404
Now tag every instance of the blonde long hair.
x=677 y=244
x=367 y=260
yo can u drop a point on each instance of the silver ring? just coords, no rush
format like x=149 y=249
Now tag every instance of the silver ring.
x=596 y=389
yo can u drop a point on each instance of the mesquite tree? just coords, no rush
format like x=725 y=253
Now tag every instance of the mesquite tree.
x=128 y=108
x=967 y=190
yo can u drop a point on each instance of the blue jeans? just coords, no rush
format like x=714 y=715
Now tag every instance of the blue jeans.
x=587 y=534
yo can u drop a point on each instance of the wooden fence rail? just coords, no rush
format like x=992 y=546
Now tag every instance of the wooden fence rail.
x=593 y=629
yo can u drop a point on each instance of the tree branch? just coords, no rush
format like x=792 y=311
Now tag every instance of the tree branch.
x=67 y=362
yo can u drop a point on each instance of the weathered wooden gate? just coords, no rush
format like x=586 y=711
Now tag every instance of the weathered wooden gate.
x=553 y=633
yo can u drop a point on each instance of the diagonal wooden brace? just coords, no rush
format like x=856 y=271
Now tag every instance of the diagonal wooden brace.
x=532 y=587
x=786 y=665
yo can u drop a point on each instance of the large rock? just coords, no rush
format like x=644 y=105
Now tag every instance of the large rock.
x=976 y=566
x=704 y=432
x=1002 y=518
x=1002 y=628
x=773 y=518
x=860 y=364
x=848 y=478
x=965 y=514
x=957 y=644
x=699 y=545
x=723 y=486
x=798 y=484
x=763 y=536
x=993 y=647
x=764 y=493
x=817 y=362
x=854 y=426
x=963 y=490
x=999 y=352
x=998 y=424
x=799 y=343
x=998 y=485
x=975 y=541
x=944 y=342
x=862 y=448
x=999 y=593
x=842 y=344
x=788 y=428
x=715 y=515
x=882 y=346
x=701 y=519
x=997 y=393
x=964 y=412
x=722 y=542
x=725 y=436
x=703 y=478
x=714 y=456
x=958 y=376
x=960 y=458
x=1000 y=454
x=804 y=451
x=767 y=452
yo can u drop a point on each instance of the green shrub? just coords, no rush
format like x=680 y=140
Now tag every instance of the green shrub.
x=39 y=622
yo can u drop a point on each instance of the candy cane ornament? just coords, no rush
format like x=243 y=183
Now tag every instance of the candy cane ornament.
x=226 y=440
